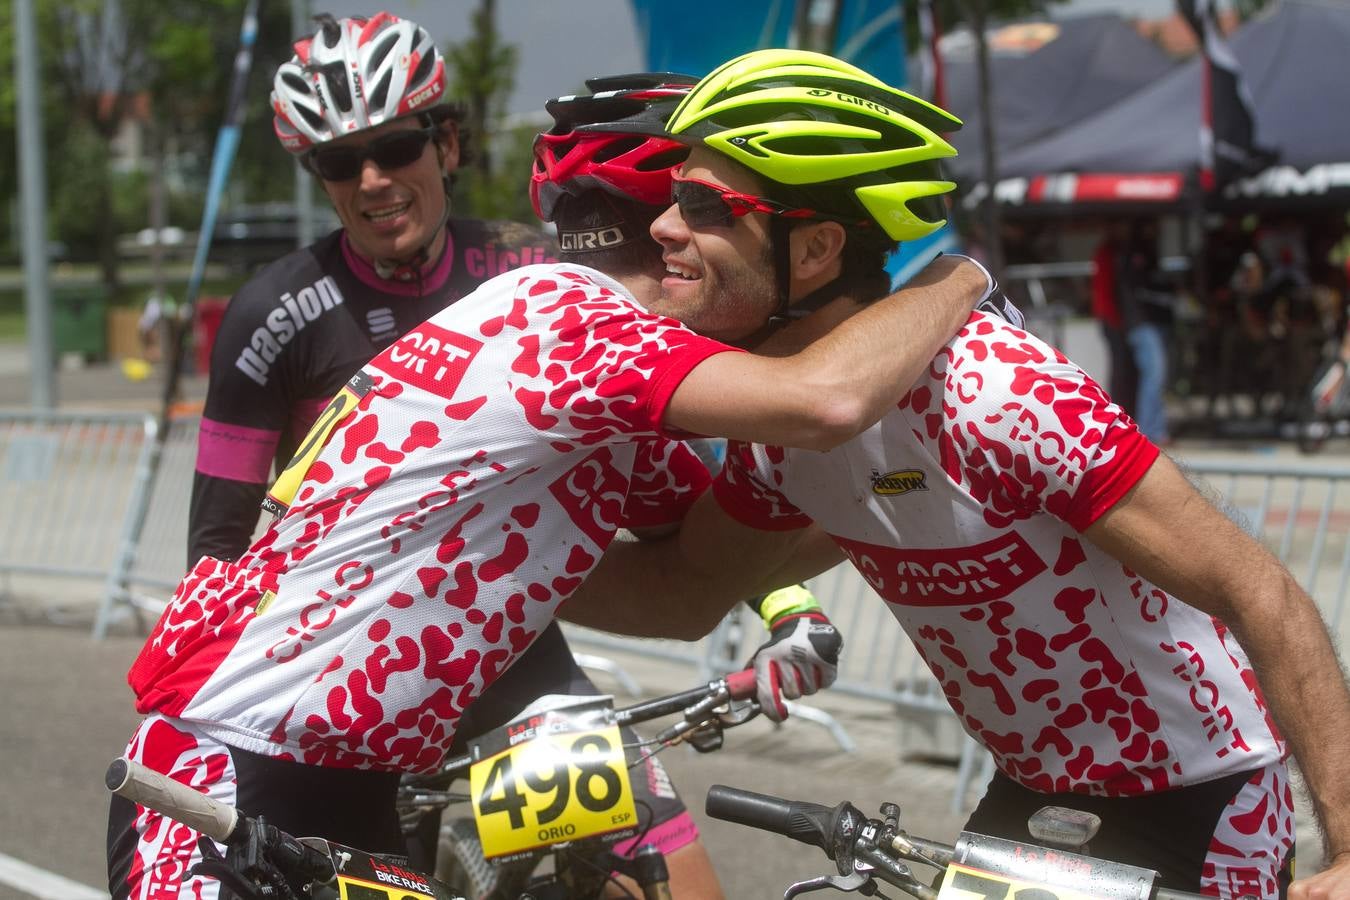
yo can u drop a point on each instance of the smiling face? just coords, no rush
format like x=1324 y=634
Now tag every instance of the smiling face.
x=390 y=214
x=719 y=278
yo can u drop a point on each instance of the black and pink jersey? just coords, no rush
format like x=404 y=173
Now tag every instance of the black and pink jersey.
x=480 y=466
x=294 y=334
x=963 y=508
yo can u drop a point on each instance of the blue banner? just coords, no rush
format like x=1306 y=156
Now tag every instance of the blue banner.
x=678 y=37
x=868 y=33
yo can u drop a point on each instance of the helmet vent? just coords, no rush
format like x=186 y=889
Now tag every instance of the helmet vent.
x=381 y=50
x=313 y=119
x=670 y=158
x=617 y=148
x=296 y=83
x=335 y=73
x=380 y=92
x=425 y=66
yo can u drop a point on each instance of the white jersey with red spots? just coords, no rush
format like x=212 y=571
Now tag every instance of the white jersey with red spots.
x=963 y=509
x=486 y=460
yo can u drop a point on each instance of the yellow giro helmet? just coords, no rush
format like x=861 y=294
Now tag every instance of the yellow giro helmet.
x=840 y=140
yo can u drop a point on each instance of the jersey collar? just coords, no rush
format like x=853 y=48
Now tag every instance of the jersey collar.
x=432 y=280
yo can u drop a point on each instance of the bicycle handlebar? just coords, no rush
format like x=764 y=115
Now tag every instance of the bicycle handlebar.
x=810 y=823
x=849 y=838
x=174 y=799
x=218 y=821
x=692 y=703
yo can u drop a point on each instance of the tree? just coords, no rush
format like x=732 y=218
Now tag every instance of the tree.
x=107 y=63
x=482 y=74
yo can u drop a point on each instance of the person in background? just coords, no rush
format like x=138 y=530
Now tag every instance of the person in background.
x=1106 y=310
x=1145 y=299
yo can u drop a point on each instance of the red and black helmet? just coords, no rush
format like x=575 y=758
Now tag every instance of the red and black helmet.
x=612 y=139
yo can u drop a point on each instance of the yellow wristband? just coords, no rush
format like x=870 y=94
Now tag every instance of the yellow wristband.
x=784 y=601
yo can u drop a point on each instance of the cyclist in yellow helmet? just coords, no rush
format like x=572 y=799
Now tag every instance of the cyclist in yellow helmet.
x=1112 y=639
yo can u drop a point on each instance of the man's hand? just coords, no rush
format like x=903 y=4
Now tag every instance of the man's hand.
x=994 y=300
x=801 y=655
x=1332 y=883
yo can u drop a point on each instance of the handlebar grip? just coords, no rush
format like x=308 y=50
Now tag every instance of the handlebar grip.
x=171 y=798
x=797 y=819
x=741 y=684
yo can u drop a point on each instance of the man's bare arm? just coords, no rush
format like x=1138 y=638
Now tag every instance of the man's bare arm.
x=841 y=384
x=1164 y=530
x=682 y=586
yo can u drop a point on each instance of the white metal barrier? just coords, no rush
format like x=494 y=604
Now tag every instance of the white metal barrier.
x=66 y=480
x=152 y=544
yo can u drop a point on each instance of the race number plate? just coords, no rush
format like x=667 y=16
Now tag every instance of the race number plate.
x=362 y=876
x=964 y=883
x=561 y=777
x=989 y=867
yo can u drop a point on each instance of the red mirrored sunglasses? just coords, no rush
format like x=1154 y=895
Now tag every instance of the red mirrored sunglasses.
x=704 y=204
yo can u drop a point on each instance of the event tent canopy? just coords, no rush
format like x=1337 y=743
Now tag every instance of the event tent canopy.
x=1092 y=62
x=1146 y=148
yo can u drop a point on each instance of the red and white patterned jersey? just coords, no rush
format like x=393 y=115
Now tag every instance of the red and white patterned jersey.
x=962 y=508
x=476 y=472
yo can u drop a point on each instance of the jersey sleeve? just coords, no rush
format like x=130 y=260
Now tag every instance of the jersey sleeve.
x=243 y=420
x=668 y=477
x=595 y=367
x=1027 y=431
x=743 y=488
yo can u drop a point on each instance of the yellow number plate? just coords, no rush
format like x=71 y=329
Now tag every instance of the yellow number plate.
x=964 y=883
x=551 y=789
x=358 y=889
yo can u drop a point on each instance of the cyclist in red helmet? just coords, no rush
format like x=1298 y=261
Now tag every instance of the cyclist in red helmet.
x=465 y=482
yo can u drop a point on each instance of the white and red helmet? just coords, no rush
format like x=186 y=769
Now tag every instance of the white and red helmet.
x=354 y=73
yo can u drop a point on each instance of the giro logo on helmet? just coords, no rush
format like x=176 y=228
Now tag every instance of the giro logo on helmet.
x=591 y=240
x=859 y=101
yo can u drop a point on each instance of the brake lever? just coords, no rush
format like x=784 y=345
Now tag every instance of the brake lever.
x=858 y=881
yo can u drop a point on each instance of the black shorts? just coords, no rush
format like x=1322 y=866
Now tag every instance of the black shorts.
x=1183 y=833
x=354 y=807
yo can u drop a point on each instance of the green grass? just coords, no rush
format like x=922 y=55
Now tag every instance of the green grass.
x=11 y=326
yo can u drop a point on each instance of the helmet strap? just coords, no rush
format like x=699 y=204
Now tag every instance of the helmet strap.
x=412 y=265
x=780 y=241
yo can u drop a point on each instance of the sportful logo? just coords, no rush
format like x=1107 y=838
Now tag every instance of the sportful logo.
x=381 y=324
x=283 y=323
x=902 y=481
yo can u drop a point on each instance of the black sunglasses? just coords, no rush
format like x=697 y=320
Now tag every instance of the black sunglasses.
x=389 y=151
x=706 y=205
